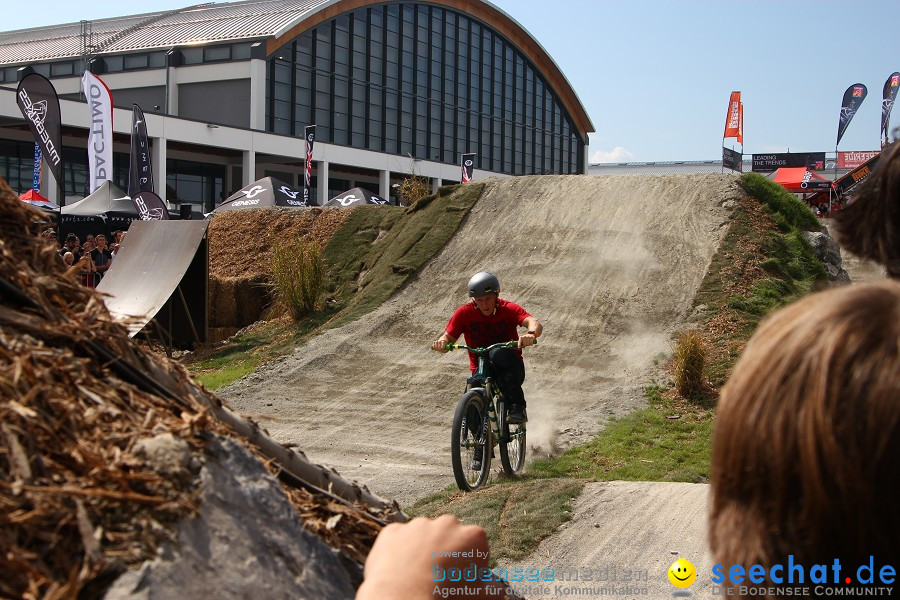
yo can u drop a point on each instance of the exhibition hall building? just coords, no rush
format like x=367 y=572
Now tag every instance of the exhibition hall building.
x=228 y=90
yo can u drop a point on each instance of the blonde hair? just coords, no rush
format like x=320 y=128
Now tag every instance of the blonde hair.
x=806 y=449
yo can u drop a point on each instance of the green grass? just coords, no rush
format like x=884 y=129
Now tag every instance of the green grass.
x=516 y=514
x=794 y=269
x=365 y=272
x=779 y=201
x=667 y=441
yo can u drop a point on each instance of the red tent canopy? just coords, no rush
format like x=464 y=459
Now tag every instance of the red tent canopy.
x=801 y=179
x=35 y=199
x=33 y=195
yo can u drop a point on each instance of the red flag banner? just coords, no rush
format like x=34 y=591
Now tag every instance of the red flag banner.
x=740 y=136
x=733 y=118
x=307 y=176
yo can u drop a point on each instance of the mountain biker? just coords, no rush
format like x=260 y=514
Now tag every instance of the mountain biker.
x=487 y=320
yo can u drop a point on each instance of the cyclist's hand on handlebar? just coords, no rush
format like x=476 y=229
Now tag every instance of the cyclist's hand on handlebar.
x=439 y=346
x=527 y=339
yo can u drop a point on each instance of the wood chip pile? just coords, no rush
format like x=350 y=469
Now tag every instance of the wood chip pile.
x=78 y=505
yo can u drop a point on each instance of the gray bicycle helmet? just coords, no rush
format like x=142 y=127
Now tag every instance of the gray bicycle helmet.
x=482 y=284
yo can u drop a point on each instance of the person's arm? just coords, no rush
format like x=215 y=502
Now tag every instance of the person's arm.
x=534 y=329
x=409 y=560
x=440 y=344
x=76 y=267
x=102 y=268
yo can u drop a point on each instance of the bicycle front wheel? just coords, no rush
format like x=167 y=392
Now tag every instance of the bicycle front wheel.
x=512 y=446
x=470 y=440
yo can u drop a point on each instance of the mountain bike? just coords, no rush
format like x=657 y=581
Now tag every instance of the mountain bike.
x=480 y=422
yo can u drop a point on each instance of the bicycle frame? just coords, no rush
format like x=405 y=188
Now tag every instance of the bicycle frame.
x=482 y=390
x=492 y=394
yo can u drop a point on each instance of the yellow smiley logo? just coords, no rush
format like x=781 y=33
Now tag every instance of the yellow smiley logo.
x=682 y=573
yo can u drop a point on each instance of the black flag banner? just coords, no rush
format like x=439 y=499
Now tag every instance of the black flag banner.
x=887 y=103
x=307 y=175
x=732 y=159
x=140 y=171
x=468 y=166
x=150 y=207
x=39 y=103
x=853 y=98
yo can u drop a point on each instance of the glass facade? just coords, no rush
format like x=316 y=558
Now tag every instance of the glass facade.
x=425 y=81
x=195 y=183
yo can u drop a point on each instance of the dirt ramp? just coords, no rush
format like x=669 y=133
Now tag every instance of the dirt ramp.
x=609 y=264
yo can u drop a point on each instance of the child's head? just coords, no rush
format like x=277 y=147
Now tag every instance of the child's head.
x=806 y=450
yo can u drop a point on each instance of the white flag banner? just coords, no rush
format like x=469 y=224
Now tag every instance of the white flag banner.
x=100 y=136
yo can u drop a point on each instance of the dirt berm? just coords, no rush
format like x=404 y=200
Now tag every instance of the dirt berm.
x=610 y=265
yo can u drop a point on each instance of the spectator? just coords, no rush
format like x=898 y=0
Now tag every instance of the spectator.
x=870 y=226
x=101 y=256
x=71 y=245
x=807 y=436
x=69 y=259
x=88 y=268
x=114 y=248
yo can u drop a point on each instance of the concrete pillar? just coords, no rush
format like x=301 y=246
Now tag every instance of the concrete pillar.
x=435 y=184
x=322 y=186
x=258 y=95
x=158 y=160
x=248 y=162
x=384 y=184
x=171 y=91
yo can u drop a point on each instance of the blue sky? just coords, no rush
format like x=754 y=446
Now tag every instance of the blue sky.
x=655 y=76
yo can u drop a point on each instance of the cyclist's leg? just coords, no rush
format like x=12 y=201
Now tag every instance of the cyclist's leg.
x=509 y=370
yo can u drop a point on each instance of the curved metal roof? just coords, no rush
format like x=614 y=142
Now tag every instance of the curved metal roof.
x=197 y=24
x=275 y=21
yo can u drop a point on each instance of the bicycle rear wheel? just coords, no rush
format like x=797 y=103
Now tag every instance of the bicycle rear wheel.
x=465 y=440
x=512 y=445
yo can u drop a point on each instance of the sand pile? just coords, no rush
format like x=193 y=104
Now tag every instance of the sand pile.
x=101 y=441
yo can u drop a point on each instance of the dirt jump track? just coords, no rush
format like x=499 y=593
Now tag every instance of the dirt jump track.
x=610 y=266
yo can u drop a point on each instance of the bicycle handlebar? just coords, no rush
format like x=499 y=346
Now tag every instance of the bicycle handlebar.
x=480 y=351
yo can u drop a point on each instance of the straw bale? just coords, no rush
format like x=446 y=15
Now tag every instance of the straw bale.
x=222 y=304
x=241 y=241
x=240 y=254
x=77 y=395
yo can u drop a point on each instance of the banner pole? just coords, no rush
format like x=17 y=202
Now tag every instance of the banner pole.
x=830 y=195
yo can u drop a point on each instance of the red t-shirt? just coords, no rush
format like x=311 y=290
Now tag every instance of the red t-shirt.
x=480 y=330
